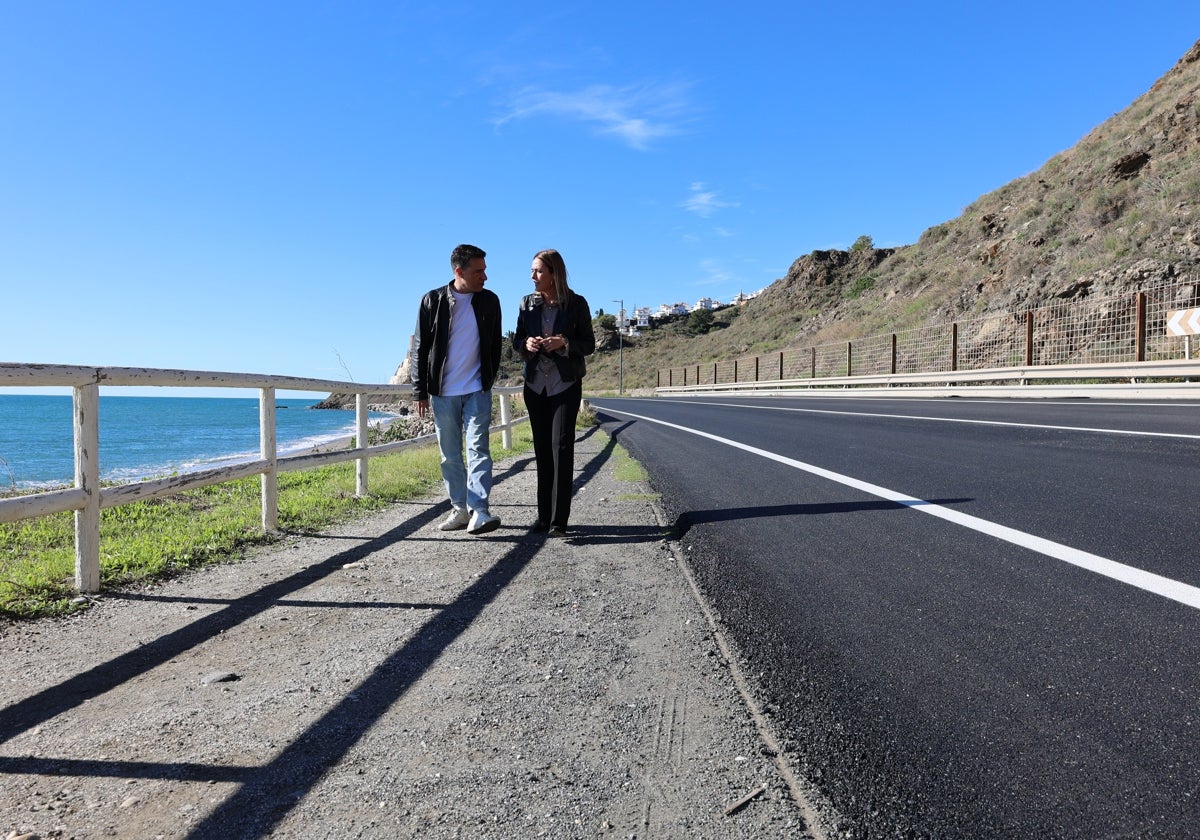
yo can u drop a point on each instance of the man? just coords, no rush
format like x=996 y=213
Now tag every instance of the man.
x=458 y=356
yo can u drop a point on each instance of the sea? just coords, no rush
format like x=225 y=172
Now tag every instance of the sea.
x=144 y=437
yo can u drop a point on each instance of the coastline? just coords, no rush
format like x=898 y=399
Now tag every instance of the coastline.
x=156 y=437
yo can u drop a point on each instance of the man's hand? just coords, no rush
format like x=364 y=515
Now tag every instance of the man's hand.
x=422 y=407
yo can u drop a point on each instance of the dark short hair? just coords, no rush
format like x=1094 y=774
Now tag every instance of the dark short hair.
x=461 y=256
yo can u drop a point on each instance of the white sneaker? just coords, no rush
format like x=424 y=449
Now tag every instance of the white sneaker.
x=481 y=523
x=456 y=521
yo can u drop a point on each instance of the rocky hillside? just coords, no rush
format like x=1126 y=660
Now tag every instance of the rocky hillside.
x=1118 y=212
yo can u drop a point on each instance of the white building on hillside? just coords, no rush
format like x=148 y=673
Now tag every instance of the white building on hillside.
x=666 y=310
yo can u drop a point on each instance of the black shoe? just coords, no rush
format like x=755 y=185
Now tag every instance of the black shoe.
x=558 y=530
x=539 y=527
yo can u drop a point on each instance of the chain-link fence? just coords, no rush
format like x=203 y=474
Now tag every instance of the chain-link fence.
x=1122 y=328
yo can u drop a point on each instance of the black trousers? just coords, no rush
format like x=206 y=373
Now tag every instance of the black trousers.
x=552 y=420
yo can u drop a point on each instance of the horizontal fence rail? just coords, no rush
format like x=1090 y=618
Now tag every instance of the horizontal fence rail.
x=87 y=498
x=991 y=382
x=1120 y=336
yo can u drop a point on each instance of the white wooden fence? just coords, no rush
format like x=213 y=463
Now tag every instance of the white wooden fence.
x=87 y=498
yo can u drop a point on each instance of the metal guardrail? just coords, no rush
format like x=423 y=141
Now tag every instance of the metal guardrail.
x=87 y=498
x=958 y=381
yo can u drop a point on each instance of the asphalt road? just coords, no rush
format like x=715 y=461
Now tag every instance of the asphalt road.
x=969 y=618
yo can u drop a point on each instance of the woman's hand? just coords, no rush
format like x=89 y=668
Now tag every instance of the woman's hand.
x=545 y=344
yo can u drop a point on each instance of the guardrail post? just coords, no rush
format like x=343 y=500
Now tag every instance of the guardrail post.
x=268 y=451
x=505 y=419
x=360 y=469
x=1140 y=302
x=87 y=479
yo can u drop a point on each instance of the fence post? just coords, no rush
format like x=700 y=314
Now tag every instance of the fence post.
x=735 y=371
x=893 y=354
x=1028 y=338
x=954 y=346
x=756 y=368
x=780 y=365
x=360 y=468
x=849 y=358
x=87 y=479
x=1140 y=300
x=505 y=419
x=813 y=362
x=714 y=373
x=268 y=451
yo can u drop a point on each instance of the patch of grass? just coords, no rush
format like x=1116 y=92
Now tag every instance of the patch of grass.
x=587 y=416
x=859 y=287
x=625 y=468
x=157 y=539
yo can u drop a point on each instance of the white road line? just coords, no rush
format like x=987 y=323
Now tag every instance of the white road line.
x=1148 y=581
x=945 y=419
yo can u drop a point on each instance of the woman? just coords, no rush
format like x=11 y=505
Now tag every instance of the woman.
x=554 y=333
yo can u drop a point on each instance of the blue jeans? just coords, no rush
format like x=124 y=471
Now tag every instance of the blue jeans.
x=469 y=415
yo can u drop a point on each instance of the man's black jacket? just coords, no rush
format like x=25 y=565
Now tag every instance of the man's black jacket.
x=433 y=338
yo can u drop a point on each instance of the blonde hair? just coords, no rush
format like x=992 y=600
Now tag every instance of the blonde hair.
x=554 y=261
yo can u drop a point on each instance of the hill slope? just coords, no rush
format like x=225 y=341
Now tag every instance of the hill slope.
x=1117 y=212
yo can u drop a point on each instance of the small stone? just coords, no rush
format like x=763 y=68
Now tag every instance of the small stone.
x=130 y=802
x=219 y=677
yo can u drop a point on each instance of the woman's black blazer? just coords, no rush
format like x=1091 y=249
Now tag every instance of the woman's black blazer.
x=573 y=322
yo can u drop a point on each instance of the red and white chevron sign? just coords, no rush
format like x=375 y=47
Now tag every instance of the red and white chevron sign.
x=1183 y=322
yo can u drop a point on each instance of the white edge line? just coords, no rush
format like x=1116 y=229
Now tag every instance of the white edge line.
x=950 y=420
x=1148 y=581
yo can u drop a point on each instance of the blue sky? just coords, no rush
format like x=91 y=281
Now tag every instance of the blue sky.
x=271 y=187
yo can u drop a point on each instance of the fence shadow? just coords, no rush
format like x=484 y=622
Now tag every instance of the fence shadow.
x=78 y=689
x=268 y=792
x=687 y=519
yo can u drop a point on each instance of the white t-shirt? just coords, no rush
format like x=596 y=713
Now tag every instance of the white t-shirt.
x=461 y=374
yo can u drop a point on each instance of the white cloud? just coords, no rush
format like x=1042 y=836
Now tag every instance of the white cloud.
x=636 y=114
x=715 y=274
x=704 y=202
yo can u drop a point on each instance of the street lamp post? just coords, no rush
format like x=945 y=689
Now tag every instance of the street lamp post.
x=620 y=348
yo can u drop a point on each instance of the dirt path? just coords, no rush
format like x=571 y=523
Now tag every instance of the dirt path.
x=387 y=680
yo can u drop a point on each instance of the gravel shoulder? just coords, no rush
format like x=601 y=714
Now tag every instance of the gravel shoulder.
x=386 y=680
